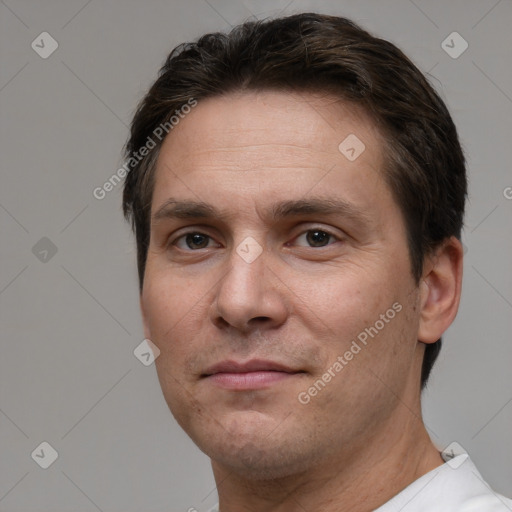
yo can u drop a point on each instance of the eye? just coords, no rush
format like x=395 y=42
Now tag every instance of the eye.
x=316 y=237
x=192 y=241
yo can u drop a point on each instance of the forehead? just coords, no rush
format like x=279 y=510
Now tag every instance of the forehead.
x=305 y=120
x=268 y=142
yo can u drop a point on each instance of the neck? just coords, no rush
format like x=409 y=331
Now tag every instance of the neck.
x=378 y=469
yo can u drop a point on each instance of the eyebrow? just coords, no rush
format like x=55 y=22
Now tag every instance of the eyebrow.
x=321 y=206
x=182 y=209
x=174 y=209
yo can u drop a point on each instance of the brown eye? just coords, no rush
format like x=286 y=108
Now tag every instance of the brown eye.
x=192 y=241
x=316 y=238
x=196 y=240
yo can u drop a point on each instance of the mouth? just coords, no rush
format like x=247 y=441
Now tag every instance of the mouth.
x=253 y=374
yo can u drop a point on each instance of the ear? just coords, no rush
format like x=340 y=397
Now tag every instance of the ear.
x=440 y=290
x=147 y=334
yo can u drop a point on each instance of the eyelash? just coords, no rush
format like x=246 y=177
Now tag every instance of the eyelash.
x=320 y=230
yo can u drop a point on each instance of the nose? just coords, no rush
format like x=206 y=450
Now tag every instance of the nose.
x=250 y=295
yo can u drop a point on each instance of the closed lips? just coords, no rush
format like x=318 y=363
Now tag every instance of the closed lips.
x=254 y=365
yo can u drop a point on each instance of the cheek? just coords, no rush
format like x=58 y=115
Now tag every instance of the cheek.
x=371 y=374
x=371 y=307
x=341 y=300
x=170 y=309
x=171 y=312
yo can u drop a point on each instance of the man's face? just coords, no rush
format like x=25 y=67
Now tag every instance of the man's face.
x=267 y=281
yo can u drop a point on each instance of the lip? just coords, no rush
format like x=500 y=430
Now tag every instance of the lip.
x=253 y=374
x=254 y=365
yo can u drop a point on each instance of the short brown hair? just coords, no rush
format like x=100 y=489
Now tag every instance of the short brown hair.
x=425 y=166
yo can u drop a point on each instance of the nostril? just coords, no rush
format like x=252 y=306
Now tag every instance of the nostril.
x=259 y=320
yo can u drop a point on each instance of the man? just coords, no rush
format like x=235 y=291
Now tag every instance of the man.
x=297 y=198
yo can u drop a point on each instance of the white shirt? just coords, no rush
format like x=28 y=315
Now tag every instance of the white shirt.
x=456 y=486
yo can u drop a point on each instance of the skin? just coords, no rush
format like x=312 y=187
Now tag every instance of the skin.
x=301 y=302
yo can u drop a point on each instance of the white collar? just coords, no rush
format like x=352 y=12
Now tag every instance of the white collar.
x=455 y=486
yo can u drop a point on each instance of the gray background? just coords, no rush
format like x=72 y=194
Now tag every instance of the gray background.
x=70 y=321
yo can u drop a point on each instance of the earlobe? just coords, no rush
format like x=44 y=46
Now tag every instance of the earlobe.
x=440 y=290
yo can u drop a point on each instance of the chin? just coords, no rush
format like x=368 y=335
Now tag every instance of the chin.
x=258 y=461
x=255 y=451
